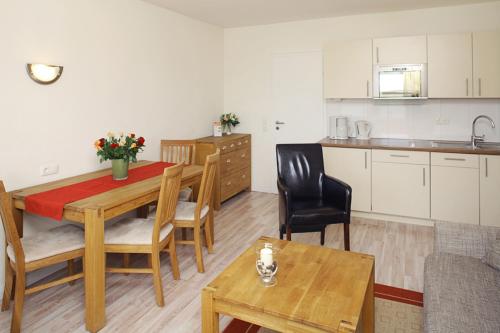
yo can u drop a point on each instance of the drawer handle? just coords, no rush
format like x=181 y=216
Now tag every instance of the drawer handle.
x=454 y=159
x=246 y=141
x=228 y=183
x=243 y=155
x=239 y=143
x=398 y=155
x=486 y=167
x=224 y=148
x=232 y=145
x=228 y=161
x=243 y=176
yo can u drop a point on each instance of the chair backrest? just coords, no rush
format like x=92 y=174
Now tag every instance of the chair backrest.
x=167 y=201
x=178 y=151
x=207 y=182
x=301 y=169
x=9 y=225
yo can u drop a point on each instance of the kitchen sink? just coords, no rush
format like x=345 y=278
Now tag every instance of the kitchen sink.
x=451 y=144
x=488 y=145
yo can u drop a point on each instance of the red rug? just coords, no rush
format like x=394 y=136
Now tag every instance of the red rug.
x=380 y=290
x=51 y=203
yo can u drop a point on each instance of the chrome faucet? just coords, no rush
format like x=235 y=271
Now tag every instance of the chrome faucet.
x=479 y=138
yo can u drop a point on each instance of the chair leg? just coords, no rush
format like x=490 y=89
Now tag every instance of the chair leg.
x=172 y=251
x=208 y=236
x=197 y=249
x=281 y=233
x=347 y=246
x=126 y=261
x=71 y=270
x=155 y=261
x=288 y=233
x=323 y=237
x=7 y=290
x=17 y=313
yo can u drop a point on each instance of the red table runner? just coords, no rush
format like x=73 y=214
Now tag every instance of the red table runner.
x=51 y=203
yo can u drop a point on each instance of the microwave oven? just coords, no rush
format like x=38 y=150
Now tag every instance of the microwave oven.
x=400 y=81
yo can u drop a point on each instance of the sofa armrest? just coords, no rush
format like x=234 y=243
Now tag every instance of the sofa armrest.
x=463 y=239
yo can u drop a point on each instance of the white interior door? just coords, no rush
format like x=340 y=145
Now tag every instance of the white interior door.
x=297 y=93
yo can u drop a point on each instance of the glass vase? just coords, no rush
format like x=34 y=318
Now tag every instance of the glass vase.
x=119 y=169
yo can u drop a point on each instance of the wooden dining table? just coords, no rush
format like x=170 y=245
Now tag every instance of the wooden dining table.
x=93 y=212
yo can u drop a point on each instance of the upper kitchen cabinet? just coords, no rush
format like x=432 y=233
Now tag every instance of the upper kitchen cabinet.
x=486 y=65
x=450 y=65
x=400 y=50
x=348 y=69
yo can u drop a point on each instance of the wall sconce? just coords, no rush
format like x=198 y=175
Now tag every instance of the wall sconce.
x=44 y=74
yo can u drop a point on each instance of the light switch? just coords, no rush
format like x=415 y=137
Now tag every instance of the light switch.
x=49 y=169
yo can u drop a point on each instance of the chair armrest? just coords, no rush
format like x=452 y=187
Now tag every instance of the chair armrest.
x=463 y=239
x=337 y=193
x=285 y=198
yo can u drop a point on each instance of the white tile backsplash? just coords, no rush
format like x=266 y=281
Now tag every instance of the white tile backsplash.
x=436 y=119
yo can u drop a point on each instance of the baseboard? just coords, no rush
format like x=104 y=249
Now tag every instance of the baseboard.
x=393 y=218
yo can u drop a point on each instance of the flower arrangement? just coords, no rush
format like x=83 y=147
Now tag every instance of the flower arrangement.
x=121 y=147
x=227 y=120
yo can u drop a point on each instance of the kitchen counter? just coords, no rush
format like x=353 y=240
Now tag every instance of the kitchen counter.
x=442 y=146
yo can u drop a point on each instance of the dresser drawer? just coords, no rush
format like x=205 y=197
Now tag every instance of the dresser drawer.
x=234 y=183
x=455 y=160
x=400 y=156
x=235 y=160
x=234 y=144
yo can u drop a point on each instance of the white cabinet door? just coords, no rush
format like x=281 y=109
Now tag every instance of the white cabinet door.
x=348 y=69
x=400 y=50
x=450 y=65
x=401 y=189
x=486 y=55
x=352 y=166
x=489 y=183
x=455 y=188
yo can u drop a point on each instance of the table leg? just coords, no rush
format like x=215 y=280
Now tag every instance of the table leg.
x=209 y=318
x=95 y=296
x=368 y=316
x=143 y=212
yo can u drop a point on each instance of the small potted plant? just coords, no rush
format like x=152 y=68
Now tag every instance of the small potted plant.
x=227 y=120
x=121 y=150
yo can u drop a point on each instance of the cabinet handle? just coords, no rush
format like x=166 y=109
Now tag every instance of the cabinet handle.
x=224 y=148
x=377 y=55
x=366 y=160
x=367 y=88
x=398 y=155
x=228 y=161
x=246 y=141
x=243 y=176
x=467 y=87
x=243 y=155
x=228 y=183
x=454 y=159
x=423 y=177
x=479 y=86
x=232 y=145
x=239 y=143
x=486 y=166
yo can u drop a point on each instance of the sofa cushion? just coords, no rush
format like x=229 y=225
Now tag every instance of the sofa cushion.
x=461 y=294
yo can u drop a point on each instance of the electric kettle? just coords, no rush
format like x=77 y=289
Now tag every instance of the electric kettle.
x=338 y=127
x=363 y=128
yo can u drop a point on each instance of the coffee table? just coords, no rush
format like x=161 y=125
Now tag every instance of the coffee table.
x=318 y=290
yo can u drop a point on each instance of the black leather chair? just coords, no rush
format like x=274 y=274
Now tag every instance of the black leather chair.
x=309 y=200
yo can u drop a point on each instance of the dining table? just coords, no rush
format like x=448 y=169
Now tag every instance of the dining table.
x=93 y=212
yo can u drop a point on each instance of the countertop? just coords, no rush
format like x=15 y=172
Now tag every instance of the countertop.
x=441 y=146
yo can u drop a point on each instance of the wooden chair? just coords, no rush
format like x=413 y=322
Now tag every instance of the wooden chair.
x=151 y=235
x=179 y=151
x=198 y=215
x=54 y=246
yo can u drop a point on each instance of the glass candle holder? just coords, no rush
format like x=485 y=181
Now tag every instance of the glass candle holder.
x=266 y=264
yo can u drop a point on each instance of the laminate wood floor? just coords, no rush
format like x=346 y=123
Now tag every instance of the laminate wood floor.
x=399 y=249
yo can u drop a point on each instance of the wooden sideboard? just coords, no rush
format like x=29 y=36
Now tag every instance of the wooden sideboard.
x=234 y=174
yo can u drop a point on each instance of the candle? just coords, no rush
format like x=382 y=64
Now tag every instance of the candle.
x=266 y=256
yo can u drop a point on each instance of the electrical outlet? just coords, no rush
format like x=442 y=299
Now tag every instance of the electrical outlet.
x=49 y=169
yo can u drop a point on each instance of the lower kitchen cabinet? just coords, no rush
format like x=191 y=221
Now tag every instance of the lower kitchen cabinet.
x=400 y=183
x=455 y=187
x=489 y=180
x=352 y=166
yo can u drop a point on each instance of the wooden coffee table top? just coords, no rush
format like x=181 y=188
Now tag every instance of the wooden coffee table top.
x=317 y=286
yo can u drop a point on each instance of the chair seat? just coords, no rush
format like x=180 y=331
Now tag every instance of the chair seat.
x=134 y=231
x=315 y=212
x=185 y=211
x=185 y=194
x=49 y=243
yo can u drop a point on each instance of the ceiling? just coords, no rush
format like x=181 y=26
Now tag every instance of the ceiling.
x=236 y=13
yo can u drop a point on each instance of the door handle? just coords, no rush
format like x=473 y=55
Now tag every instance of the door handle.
x=366 y=160
x=367 y=88
x=423 y=177
x=479 y=86
x=377 y=55
x=486 y=167
x=277 y=122
x=467 y=87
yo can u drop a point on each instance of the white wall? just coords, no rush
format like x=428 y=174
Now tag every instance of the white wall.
x=247 y=67
x=128 y=66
